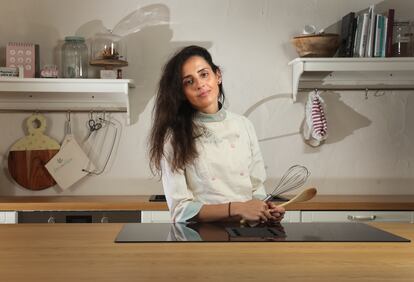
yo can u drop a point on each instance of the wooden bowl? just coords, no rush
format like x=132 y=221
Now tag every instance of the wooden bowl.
x=320 y=45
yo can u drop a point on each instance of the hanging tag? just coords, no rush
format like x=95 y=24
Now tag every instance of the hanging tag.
x=66 y=139
x=66 y=166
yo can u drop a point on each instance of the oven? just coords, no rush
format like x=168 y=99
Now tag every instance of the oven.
x=78 y=216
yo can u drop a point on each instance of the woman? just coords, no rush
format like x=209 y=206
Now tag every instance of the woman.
x=209 y=158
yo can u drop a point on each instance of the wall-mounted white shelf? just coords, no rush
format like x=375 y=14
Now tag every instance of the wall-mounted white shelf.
x=386 y=73
x=63 y=94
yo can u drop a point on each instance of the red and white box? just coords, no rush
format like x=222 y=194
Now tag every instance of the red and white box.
x=21 y=54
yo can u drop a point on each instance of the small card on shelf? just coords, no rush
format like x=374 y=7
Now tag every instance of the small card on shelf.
x=24 y=55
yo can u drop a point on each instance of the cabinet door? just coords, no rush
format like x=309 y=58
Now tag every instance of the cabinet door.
x=357 y=216
x=155 y=217
x=292 y=216
x=8 y=217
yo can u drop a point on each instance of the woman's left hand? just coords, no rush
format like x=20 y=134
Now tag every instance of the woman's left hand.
x=277 y=212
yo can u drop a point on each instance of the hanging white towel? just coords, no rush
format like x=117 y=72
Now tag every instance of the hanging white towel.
x=316 y=126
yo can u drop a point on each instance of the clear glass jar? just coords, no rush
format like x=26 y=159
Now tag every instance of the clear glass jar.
x=108 y=46
x=74 y=57
x=402 y=39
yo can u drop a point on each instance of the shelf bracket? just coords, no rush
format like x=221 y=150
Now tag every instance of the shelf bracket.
x=296 y=74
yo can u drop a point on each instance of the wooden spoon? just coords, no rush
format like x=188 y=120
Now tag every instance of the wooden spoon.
x=303 y=196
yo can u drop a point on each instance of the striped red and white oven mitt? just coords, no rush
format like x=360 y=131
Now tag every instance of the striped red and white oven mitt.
x=316 y=126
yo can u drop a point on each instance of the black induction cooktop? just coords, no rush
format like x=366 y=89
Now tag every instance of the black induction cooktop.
x=276 y=232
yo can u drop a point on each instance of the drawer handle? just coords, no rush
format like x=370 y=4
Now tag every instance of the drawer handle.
x=361 y=217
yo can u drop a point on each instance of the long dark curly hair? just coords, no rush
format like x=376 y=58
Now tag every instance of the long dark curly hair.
x=173 y=115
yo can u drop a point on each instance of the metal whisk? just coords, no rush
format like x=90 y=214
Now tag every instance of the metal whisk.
x=293 y=178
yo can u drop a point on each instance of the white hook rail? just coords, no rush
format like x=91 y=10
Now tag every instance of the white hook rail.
x=63 y=95
x=375 y=65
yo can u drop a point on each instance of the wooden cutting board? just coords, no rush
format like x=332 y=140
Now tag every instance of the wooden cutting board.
x=28 y=156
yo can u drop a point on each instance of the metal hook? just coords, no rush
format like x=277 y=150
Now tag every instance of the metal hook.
x=366 y=93
x=318 y=92
x=68 y=124
x=101 y=116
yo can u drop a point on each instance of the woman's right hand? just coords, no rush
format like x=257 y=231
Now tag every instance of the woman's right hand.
x=252 y=210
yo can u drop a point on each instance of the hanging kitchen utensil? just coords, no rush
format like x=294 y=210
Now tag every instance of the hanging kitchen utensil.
x=315 y=129
x=66 y=166
x=28 y=156
x=92 y=146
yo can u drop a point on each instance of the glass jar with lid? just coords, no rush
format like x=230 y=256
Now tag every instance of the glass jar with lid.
x=402 y=39
x=74 y=57
x=108 y=50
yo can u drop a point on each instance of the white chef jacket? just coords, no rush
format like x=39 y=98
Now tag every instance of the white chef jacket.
x=229 y=168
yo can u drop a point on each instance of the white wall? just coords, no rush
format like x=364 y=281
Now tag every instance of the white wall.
x=370 y=146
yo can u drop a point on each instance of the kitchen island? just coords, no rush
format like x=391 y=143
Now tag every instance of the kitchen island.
x=87 y=252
